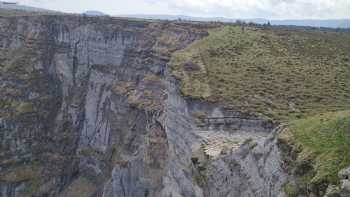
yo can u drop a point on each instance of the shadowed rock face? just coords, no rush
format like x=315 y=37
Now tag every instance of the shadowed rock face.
x=88 y=109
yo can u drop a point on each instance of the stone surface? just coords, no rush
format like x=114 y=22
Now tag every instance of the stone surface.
x=332 y=191
x=344 y=176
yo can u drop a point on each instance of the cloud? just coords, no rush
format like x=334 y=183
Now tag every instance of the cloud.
x=272 y=9
x=267 y=8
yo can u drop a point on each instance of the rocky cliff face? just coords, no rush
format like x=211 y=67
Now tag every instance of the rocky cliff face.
x=88 y=108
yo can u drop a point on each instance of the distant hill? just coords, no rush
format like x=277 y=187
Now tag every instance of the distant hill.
x=177 y=17
x=345 y=23
x=94 y=13
x=339 y=23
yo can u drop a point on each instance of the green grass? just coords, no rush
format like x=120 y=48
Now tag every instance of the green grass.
x=324 y=141
x=276 y=73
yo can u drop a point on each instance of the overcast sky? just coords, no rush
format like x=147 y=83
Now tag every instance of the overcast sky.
x=270 y=9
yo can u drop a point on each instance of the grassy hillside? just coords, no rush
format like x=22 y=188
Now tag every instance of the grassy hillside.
x=277 y=73
x=284 y=75
x=323 y=144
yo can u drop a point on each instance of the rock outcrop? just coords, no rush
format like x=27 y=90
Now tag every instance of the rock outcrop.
x=84 y=105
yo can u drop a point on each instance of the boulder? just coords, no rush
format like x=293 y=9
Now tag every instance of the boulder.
x=344 y=176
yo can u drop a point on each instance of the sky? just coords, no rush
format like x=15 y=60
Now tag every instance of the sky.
x=269 y=9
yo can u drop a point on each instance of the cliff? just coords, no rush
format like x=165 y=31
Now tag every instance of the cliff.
x=83 y=105
x=93 y=106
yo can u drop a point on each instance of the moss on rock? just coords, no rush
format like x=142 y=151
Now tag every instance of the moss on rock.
x=24 y=108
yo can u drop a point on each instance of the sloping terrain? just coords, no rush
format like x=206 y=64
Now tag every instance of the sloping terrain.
x=278 y=73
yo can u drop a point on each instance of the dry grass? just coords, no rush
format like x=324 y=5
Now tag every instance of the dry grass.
x=280 y=74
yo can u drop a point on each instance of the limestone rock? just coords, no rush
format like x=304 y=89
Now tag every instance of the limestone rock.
x=344 y=176
x=332 y=191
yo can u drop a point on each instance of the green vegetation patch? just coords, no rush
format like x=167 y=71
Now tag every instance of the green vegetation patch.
x=14 y=108
x=80 y=187
x=24 y=108
x=28 y=173
x=276 y=73
x=323 y=143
